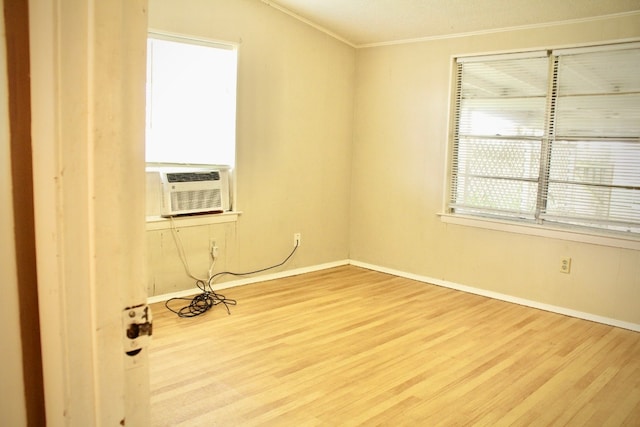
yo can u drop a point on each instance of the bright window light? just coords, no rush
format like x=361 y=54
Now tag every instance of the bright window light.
x=191 y=101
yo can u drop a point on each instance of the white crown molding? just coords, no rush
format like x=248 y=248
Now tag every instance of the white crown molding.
x=499 y=30
x=445 y=36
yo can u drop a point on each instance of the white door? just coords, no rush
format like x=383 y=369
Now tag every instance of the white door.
x=88 y=94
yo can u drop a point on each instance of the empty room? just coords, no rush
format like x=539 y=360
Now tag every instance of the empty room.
x=346 y=121
x=340 y=212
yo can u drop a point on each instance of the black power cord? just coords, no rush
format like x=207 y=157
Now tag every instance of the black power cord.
x=203 y=302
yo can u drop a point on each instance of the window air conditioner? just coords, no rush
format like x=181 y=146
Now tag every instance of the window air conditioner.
x=193 y=191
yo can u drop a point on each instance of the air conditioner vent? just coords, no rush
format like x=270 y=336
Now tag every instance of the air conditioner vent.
x=196 y=200
x=193 y=176
x=188 y=191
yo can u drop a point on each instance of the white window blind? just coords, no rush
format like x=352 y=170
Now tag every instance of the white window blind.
x=500 y=120
x=549 y=138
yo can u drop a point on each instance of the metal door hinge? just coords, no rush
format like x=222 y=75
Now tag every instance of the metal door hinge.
x=138 y=327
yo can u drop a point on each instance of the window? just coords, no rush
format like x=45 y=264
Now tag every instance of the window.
x=191 y=101
x=549 y=138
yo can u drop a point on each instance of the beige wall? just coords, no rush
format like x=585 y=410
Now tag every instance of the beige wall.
x=295 y=105
x=401 y=125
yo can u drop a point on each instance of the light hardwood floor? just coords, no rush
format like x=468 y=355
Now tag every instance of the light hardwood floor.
x=350 y=346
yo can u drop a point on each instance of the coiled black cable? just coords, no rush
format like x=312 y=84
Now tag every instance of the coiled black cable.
x=208 y=298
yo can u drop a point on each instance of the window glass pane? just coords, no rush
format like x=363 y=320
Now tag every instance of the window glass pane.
x=613 y=115
x=595 y=180
x=522 y=77
x=500 y=112
x=504 y=97
x=502 y=117
x=594 y=172
x=614 y=209
x=191 y=103
x=604 y=72
x=496 y=197
x=498 y=175
x=599 y=94
x=499 y=158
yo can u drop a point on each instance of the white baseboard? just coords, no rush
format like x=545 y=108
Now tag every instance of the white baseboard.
x=248 y=280
x=503 y=297
x=438 y=282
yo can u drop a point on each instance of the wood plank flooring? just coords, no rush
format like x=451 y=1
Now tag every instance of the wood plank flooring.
x=350 y=346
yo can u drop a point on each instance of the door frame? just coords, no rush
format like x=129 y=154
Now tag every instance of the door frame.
x=87 y=96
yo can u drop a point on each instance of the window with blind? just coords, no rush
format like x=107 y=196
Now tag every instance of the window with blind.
x=549 y=138
x=191 y=101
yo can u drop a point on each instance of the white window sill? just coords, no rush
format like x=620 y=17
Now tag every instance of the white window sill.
x=161 y=223
x=625 y=242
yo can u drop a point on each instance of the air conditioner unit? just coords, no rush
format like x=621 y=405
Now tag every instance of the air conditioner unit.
x=189 y=191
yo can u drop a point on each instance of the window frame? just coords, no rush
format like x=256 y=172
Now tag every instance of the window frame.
x=538 y=225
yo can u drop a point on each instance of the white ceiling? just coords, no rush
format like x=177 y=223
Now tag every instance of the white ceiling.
x=366 y=22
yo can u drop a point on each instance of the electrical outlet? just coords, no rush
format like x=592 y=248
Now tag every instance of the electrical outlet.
x=213 y=249
x=565 y=265
x=297 y=239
